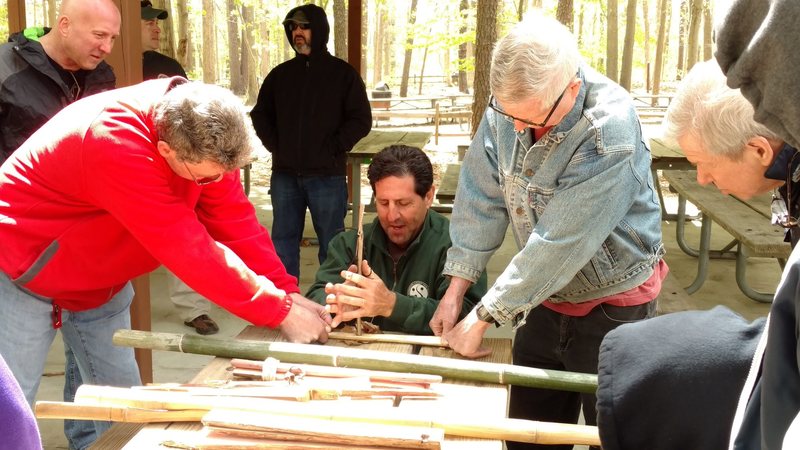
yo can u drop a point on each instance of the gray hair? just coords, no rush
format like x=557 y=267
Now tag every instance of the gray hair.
x=536 y=59
x=203 y=122
x=718 y=117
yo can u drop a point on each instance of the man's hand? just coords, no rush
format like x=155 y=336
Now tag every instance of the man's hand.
x=359 y=296
x=449 y=308
x=466 y=338
x=306 y=322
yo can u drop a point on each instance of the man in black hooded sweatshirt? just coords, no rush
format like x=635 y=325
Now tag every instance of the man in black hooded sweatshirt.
x=310 y=112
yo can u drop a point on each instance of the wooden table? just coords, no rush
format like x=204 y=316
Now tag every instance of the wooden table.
x=459 y=398
x=371 y=144
x=748 y=221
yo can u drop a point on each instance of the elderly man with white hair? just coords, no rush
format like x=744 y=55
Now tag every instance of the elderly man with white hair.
x=559 y=155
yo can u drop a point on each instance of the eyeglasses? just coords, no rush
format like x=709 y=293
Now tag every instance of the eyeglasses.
x=202 y=181
x=493 y=104
x=303 y=26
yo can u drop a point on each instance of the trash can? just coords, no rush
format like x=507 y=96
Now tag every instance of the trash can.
x=381 y=90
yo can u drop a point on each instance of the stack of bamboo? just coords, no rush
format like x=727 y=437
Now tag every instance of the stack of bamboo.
x=289 y=410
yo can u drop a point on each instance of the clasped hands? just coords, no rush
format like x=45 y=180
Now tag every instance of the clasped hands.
x=359 y=296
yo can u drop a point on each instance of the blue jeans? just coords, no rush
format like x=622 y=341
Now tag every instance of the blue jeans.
x=26 y=334
x=325 y=197
x=550 y=340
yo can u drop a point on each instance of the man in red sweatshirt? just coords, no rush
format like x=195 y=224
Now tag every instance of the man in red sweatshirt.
x=112 y=187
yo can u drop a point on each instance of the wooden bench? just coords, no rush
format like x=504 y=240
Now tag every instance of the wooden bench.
x=748 y=223
x=446 y=194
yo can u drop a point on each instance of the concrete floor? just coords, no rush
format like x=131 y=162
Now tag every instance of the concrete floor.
x=720 y=288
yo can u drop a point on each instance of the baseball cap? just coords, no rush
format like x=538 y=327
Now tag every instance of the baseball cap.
x=298 y=17
x=150 y=13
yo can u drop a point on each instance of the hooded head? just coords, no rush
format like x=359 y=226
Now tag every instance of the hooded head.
x=757 y=51
x=314 y=16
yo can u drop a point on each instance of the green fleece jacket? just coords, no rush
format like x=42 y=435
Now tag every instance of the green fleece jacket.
x=416 y=277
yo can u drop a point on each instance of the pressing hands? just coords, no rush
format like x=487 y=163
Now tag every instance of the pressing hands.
x=306 y=322
x=466 y=337
x=359 y=296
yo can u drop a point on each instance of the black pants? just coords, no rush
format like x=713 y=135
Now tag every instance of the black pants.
x=550 y=340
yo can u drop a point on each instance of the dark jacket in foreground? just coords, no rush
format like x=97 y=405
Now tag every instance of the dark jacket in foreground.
x=32 y=91
x=312 y=110
x=416 y=277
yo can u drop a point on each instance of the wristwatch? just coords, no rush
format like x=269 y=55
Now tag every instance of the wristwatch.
x=483 y=314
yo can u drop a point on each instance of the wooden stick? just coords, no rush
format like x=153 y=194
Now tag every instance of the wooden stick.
x=310 y=429
x=360 y=257
x=457 y=369
x=344 y=372
x=63 y=410
x=476 y=427
x=428 y=341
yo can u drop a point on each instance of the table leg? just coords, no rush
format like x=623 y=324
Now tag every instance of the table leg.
x=741 y=279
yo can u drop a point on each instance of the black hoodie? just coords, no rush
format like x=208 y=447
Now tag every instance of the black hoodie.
x=312 y=109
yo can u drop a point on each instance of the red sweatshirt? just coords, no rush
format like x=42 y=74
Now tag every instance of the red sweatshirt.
x=87 y=203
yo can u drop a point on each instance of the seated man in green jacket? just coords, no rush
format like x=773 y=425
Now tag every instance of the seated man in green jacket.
x=405 y=248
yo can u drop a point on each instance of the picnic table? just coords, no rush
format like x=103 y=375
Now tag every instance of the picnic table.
x=748 y=221
x=459 y=400
x=371 y=144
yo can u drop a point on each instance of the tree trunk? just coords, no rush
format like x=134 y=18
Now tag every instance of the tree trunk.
x=52 y=12
x=377 y=44
x=660 y=46
x=168 y=30
x=463 y=83
x=339 y=29
x=409 y=43
x=521 y=9
x=708 y=30
x=580 y=31
x=612 y=41
x=248 y=54
x=364 y=38
x=684 y=26
x=485 y=37
x=422 y=70
x=693 y=44
x=627 y=51
x=238 y=85
x=564 y=13
x=388 y=43
x=209 y=43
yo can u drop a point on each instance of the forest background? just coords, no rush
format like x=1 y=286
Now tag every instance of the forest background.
x=420 y=47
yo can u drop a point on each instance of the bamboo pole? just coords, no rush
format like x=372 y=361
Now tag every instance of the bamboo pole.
x=475 y=371
x=105 y=413
x=359 y=258
x=468 y=425
x=428 y=341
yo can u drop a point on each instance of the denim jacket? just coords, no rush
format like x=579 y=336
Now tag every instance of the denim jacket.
x=580 y=200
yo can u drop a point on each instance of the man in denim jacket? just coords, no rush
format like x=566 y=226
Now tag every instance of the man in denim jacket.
x=559 y=154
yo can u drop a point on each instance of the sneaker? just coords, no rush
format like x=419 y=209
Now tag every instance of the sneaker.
x=203 y=325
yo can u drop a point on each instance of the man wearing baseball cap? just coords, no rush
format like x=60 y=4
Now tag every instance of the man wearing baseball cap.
x=155 y=64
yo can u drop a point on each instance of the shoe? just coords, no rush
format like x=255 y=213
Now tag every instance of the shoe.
x=203 y=325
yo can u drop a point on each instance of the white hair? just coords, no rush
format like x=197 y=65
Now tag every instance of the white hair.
x=536 y=59
x=718 y=117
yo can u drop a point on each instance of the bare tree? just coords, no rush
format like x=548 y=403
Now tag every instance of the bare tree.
x=564 y=13
x=693 y=43
x=708 y=29
x=248 y=53
x=612 y=41
x=485 y=37
x=185 y=51
x=521 y=4
x=364 y=40
x=663 y=13
x=684 y=27
x=209 y=43
x=238 y=83
x=627 y=49
x=168 y=30
x=377 y=41
x=412 y=13
x=463 y=83
x=340 y=29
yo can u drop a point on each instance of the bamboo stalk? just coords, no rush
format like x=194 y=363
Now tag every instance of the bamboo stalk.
x=475 y=427
x=467 y=370
x=344 y=372
x=428 y=341
x=63 y=410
